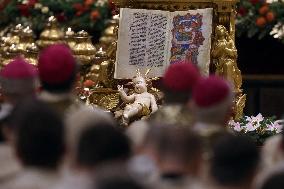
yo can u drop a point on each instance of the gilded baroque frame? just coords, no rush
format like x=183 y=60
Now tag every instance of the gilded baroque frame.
x=224 y=12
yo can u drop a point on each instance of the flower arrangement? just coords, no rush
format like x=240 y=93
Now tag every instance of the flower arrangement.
x=257 y=127
x=260 y=18
x=89 y=15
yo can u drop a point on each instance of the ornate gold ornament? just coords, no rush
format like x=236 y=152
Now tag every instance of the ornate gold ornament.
x=3 y=46
x=109 y=35
x=101 y=56
x=14 y=36
x=84 y=50
x=31 y=54
x=12 y=52
x=239 y=105
x=103 y=70
x=7 y=39
x=51 y=34
x=26 y=38
x=109 y=101
x=70 y=38
x=224 y=54
x=94 y=73
x=111 y=50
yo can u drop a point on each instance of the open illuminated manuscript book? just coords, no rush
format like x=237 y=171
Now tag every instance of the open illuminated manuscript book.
x=155 y=39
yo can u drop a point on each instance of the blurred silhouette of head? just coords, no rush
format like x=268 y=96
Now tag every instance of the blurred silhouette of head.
x=235 y=160
x=102 y=143
x=212 y=99
x=39 y=134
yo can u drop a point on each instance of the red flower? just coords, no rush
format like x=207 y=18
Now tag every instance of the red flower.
x=31 y=3
x=24 y=9
x=254 y=1
x=61 y=17
x=89 y=83
x=263 y=10
x=95 y=15
x=242 y=11
x=78 y=6
x=260 y=22
x=270 y=16
x=79 y=13
x=89 y=2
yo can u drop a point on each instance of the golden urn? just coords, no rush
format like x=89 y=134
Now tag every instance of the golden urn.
x=31 y=54
x=94 y=73
x=51 y=34
x=14 y=36
x=101 y=56
x=3 y=45
x=84 y=50
x=109 y=34
x=70 y=38
x=11 y=38
x=26 y=38
x=12 y=52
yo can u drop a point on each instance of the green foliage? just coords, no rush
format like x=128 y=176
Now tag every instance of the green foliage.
x=258 y=18
x=259 y=128
x=90 y=15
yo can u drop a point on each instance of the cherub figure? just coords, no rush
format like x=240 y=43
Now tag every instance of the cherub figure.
x=140 y=103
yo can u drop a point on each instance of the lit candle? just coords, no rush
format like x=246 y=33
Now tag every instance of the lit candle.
x=101 y=53
x=69 y=32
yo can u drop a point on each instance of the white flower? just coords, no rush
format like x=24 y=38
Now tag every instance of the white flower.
x=100 y=3
x=254 y=119
x=44 y=10
x=250 y=127
x=24 y=2
x=270 y=127
x=232 y=122
x=237 y=127
x=278 y=31
x=278 y=125
x=38 y=6
x=271 y=1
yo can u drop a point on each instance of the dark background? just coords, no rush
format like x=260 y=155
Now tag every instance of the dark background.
x=262 y=66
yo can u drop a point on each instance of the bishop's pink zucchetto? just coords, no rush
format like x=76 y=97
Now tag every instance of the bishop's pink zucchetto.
x=212 y=91
x=56 y=64
x=18 y=69
x=181 y=77
x=18 y=77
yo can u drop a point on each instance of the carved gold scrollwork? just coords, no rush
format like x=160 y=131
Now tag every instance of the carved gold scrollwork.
x=105 y=98
x=239 y=106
